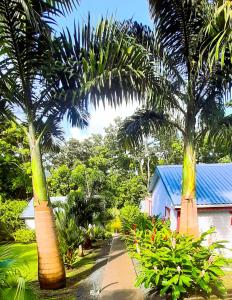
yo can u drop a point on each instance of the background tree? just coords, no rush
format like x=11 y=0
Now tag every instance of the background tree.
x=15 y=170
x=110 y=173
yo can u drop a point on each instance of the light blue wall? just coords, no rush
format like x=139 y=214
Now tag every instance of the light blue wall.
x=160 y=199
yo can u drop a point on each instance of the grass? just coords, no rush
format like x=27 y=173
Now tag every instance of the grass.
x=26 y=255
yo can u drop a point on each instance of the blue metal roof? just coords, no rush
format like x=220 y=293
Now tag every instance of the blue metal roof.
x=214 y=183
x=29 y=213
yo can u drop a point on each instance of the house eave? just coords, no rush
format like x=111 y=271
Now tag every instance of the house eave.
x=209 y=206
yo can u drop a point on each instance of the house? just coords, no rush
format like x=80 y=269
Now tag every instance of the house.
x=213 y=193
x=28 y=215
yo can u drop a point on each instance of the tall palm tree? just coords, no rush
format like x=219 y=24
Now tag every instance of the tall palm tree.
x=43 y=79
x=192 y=98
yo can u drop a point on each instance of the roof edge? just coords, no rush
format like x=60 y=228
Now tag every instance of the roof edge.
x=207 y=206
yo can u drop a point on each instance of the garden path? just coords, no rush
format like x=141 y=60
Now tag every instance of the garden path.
x=119 y=275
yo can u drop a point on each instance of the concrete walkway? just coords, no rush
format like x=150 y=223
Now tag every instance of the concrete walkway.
x=119 y=275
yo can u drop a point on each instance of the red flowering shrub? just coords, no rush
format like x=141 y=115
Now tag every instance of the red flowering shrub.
x=175 y=265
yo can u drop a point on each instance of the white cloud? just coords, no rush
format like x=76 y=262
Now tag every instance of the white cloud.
x=100 y=118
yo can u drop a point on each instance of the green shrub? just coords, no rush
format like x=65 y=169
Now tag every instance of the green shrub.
x=70 y=236
x=129 y=216
x=24 y=235
x=114 y=225
x=101 y=233
x=176 y=265
x=10 y=221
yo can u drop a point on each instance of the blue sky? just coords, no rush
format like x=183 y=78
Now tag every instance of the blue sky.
x=120 y=10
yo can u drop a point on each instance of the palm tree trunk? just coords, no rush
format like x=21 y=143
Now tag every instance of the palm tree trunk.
x=51 y=272
x=188 y=214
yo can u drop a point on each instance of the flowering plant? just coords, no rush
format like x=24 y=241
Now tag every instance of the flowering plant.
x=178 y=266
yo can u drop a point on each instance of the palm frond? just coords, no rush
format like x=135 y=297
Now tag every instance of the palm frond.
x=218 y=34
x=143 y=123
x=221 y=132
x=104 y=63
x=178 y=23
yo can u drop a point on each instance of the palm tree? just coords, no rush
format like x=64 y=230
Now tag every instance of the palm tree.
x=191 y=99
x=43 y=79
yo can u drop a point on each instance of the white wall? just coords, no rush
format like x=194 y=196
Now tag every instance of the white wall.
x=222 y=221
x=219 y=219
x=160 y=199
x=30 y=223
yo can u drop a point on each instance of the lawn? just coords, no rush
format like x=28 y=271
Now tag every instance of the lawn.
x=26 y=255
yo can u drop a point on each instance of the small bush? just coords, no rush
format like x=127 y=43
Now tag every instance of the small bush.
x=175 y=265
x=24 y=235
x=70 y=236
x=99 y=232
x=129 y=215
x=114 y=225
x=10 y=221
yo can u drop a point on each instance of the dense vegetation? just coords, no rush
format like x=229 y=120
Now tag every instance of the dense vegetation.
x=180 y=73
x=171 y=264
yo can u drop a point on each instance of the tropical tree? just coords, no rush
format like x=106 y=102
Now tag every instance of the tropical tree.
x=192 y=99
x=14 y=161
x=44 y=78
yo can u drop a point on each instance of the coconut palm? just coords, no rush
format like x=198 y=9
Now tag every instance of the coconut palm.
x=43 y=79
x=191 y=100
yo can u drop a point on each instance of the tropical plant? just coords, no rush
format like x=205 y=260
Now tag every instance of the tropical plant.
x=13 y=285
x=192 y=99
x=45 y=78
x=177 y=265
x=129 y=215
x=25 y=34
x=70 y=237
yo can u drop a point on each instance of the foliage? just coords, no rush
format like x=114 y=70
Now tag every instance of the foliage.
x=129 y=215
x=176 y=265
x=101 y=233
x=114 y=225
x=105 y=171
x=218 y=30
x=14 y=161
x=24 y=235
x=10 y=221
x=60 y=181
x=12 y=283
x=70 y=237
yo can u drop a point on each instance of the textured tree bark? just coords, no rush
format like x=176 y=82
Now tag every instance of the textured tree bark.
x=188 y=213
x=51 y=272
